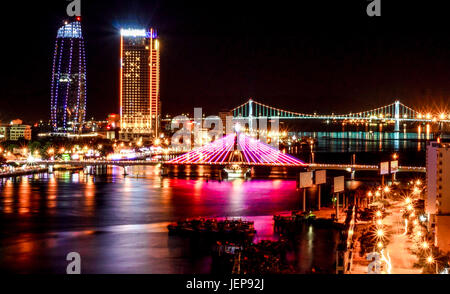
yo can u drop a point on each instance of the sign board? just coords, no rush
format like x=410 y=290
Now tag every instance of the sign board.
x=339 y=184
x=306 y=179
x=394 y=166
x=320 y=177
x=384 y=168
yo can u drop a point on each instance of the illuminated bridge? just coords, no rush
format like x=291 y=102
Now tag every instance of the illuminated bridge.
x=237 y=149
x=221 y=152
x=395 y=112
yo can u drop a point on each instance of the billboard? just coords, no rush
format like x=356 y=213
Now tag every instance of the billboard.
x=384 y=168
x=306 y=179
x=339 y=184
x=321 y=177
x=394 y=166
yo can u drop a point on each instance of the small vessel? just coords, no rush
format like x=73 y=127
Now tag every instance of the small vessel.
x=234 y=229
x=236 y=171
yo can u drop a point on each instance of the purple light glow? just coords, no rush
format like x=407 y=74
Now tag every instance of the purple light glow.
x=254 y=152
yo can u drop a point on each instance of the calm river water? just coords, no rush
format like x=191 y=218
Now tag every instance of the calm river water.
x=118 y=224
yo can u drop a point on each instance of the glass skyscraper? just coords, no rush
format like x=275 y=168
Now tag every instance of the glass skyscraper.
x=68 y=89
x=140 y=106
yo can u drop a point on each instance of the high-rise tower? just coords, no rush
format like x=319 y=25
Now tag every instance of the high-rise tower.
x=140 y=106
x=68 y=89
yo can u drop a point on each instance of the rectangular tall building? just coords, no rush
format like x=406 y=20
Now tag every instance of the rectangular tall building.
x=437 y=201
x=140 y=106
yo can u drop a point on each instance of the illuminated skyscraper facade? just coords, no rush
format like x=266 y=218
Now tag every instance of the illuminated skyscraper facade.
x=140 y=106
x=68 y=88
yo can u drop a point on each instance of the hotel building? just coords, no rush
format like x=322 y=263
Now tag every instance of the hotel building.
x=140 y=106
x=68 y=88
x=437 y=201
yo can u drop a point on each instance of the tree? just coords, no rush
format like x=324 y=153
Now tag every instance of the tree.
x=34 y=146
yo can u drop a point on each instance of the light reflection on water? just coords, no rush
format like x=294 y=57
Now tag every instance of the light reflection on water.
x=118 y=224
x=360 y=141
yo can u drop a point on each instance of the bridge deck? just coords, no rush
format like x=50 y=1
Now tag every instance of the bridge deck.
x=356 y=167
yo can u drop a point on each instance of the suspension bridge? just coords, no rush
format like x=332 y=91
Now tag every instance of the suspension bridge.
x=396 y=112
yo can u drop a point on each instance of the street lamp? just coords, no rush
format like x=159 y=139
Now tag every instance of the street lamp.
x=380 y=233
x=431 y=260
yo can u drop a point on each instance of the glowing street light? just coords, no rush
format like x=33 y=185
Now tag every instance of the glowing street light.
x=380 y=233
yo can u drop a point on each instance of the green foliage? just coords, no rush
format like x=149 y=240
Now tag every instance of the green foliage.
x=368 y=239
x=34 y=146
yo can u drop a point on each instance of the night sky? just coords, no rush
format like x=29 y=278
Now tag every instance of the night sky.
x=322 y=56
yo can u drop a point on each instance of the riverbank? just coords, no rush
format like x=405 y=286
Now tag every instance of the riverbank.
x=39 y=170
x=21 y=172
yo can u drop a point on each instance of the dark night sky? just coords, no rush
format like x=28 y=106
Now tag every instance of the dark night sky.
x=324 y=56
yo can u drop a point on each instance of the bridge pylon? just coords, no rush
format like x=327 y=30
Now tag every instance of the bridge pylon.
x=250 y=115
x=397 y=116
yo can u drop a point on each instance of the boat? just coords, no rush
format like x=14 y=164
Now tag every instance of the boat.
x=236 y=171
x=234 y=229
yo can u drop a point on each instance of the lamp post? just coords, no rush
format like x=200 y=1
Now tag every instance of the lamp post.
x=394 y=157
